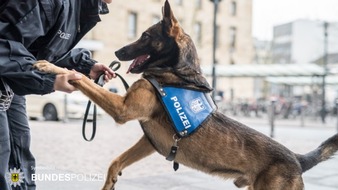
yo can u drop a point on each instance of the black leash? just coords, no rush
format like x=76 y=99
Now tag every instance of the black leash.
x=115 y=65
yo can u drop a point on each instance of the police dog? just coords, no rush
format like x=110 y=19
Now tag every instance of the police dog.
x=221 y=146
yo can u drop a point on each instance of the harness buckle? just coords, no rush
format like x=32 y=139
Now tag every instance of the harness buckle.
x=173 y=151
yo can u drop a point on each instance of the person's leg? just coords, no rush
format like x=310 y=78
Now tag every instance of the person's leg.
x=4 y=150
x=21 y=157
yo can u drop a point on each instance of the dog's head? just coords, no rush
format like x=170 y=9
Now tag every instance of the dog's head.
x=165 y=47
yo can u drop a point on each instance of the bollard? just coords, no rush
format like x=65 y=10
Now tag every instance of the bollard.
x=65 y=119
x=272 y=118
x=336 y=102
x=302 y=115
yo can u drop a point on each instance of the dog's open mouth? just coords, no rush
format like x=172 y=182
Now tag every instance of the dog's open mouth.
x=138 y=62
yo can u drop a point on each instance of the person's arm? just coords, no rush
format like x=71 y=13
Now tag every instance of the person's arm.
x=16 y=68
x=78 y=59
x=19 y=26
x=17 y=71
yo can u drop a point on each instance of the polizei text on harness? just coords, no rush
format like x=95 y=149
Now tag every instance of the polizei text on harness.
x=185 y=121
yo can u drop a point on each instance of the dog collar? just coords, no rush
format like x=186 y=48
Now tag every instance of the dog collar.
x=186 y=108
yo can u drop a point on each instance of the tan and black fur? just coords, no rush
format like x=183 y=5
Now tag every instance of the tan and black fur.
x=221 y=147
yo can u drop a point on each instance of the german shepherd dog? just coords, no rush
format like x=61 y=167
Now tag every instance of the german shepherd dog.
x=221 y=146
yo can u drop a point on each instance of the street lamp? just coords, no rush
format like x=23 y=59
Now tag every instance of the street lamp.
x=325 y=60
x=216 y=2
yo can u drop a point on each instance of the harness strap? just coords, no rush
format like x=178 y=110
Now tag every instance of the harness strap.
x=157 y=86
x=187 y=110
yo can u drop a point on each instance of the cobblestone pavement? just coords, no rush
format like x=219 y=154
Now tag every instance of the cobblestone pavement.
x=61 y=151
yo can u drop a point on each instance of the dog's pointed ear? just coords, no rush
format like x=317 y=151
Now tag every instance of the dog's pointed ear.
x=170 y=23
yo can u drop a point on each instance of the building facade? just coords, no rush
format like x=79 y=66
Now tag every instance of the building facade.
x=308 y=41
x=303 y=41
x=127 y=20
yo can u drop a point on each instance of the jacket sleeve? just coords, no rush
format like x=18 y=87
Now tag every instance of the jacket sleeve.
x=16 y=68
x=78 y=59
x=18 y=27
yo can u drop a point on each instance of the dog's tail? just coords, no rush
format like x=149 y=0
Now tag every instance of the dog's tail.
x=322 y=153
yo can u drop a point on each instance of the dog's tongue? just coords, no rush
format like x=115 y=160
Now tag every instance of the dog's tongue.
x=138 y=61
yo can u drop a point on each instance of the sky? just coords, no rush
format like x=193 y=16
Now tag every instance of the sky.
x=267 y=13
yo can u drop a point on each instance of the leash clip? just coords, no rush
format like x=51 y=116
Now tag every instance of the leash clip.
x=173 y=152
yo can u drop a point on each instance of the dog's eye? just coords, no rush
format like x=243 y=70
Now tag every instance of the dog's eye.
x=145 y=36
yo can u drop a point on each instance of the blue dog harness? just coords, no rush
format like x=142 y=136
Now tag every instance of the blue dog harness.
x=187 y=108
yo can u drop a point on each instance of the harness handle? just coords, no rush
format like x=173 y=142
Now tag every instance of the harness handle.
x=115 y=65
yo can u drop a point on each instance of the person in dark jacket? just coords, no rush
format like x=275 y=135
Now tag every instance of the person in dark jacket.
x=30 y=31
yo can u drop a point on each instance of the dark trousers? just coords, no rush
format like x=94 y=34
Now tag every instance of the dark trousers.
x=14 y=147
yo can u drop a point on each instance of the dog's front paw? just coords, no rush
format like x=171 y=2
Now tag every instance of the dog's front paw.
x=45 y=66
x=111 y=180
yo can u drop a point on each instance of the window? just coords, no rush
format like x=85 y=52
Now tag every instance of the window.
x=132 y=25
x=232 y=38
x=233 y=8
x=198 y=33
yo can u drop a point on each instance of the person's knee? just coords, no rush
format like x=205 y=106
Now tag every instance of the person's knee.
x=21 y=139
x=5 y=147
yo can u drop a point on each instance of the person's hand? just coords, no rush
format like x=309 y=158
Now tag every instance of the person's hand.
x=61 y=82
x=98 y=69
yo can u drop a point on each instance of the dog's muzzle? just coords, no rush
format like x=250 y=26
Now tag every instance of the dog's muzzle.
x=6 y=95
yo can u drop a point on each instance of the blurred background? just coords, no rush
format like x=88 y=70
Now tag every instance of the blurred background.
x=271 y=62
x=263 y=51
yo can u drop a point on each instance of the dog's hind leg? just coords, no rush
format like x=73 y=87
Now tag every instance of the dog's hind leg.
x=280 y=177
x=279 y=183
x=140 y=150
